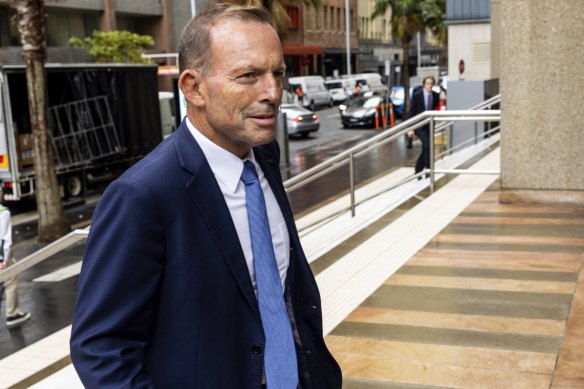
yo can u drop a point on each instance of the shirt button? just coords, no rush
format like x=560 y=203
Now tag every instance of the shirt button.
x=256 y=349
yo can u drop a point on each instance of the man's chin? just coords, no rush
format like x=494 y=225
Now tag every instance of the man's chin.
x=264 y=136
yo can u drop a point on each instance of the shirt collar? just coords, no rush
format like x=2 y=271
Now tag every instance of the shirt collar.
x=226 y=166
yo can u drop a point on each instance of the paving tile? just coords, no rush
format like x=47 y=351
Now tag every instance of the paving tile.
x=459 y=321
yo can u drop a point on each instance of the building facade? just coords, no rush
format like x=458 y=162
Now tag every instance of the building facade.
x=380 y=52
x=469 y=39
x=325 y=28
x=161 y=19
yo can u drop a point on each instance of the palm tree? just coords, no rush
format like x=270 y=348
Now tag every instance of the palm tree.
x=278 y=12
x=30 y=22
x=408 y=17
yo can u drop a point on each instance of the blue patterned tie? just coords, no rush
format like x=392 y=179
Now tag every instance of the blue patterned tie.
x=280 y=355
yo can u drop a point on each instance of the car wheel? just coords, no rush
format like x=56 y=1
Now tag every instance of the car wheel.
x=312 y=105
x=331 y=103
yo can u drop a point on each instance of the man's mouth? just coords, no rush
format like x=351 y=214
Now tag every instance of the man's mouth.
x=265 y=119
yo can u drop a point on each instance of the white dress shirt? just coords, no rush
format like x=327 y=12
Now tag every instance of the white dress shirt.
x=227 y=169
x=428 y=95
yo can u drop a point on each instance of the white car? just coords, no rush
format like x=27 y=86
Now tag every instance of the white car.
x=300 y=121
x=312 y=91
x=340 y=89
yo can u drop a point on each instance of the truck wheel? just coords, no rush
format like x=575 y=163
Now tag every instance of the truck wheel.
x=312 y=106
x=73 y=185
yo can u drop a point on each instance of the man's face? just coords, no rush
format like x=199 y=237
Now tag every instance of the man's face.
x=242 y=88
x=428 y=84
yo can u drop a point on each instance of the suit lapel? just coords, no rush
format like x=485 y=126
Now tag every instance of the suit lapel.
x=210 y=203
x=270 y=168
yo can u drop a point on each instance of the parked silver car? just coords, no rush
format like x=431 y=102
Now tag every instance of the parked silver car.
x=300 y=121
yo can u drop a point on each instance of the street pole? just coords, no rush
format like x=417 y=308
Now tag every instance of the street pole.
x=348 y=32
x=193 y=8
x=419 y=49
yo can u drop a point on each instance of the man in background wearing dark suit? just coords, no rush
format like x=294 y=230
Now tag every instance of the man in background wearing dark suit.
x=194 y=276
x=424 y=100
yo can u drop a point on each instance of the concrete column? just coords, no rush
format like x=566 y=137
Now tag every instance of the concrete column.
x=495 y=39
x=542 y=88
x=107 y=20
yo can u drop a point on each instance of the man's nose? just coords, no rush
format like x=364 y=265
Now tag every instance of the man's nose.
x=271 y=88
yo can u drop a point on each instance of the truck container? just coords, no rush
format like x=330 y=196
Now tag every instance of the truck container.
x=102 y=118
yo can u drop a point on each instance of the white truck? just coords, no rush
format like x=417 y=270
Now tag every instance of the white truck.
x=102 y=118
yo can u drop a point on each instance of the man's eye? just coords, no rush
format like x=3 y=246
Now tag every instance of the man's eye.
x=279 y=74
x=247 y=76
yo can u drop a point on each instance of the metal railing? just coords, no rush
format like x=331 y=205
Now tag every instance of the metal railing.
x=479 y=113
x=44 y=253
x=444 y=118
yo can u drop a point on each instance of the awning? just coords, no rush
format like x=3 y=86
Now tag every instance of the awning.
x=302 y=49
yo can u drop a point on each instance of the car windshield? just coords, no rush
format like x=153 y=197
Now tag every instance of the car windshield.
x=397 y=93
x=366 y=102
x=334 y=85
x=372 y=102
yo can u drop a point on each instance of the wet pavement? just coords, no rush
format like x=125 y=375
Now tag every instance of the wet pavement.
x=51 y=303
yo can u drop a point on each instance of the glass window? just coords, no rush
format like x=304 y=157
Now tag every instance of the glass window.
x=62 y=25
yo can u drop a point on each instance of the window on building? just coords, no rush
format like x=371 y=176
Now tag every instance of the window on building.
x=351 y=21
x=339 y=19
x=325 y=18
x=331 y=27
x=294 y=15
x=367 y=28
x=61 y=25
x=8 y=33
x=316 y=16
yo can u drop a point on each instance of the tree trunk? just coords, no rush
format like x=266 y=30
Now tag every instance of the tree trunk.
x=406 y=77
x=30 y=18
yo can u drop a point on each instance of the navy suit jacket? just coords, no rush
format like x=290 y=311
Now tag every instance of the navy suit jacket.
x=419 y=105
x=165 y=298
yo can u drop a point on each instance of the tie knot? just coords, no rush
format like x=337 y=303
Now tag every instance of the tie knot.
x=250 y=173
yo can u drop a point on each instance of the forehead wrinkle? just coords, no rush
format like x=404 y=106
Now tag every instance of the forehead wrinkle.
x=225 y=41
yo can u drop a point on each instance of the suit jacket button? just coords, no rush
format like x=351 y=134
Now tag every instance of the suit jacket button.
x=256 y=349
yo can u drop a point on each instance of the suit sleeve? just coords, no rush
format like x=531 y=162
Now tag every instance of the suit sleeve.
x=118 y=285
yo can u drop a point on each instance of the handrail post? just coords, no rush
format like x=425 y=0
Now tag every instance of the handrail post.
x=352 y=182
x=476 y=137
x=432 y=145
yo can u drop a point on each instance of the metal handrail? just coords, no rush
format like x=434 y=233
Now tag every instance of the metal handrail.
x=443 y=119
x=44 y=253
x=402 y=128
x=446 y=118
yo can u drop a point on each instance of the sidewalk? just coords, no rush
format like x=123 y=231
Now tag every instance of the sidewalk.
x=458 y=292
x=494 y=300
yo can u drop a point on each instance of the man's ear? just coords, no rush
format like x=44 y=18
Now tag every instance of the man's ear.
x=189 y=83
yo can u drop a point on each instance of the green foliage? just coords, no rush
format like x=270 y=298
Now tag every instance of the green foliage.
x=411 y=16
x=114 y=46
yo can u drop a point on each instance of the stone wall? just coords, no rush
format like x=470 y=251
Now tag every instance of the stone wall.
x=542 y=87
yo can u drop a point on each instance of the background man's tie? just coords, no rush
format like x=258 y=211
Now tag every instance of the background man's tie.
x=280 y=354
x=429 y=102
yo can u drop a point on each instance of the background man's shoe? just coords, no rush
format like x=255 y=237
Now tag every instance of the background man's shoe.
x=17 y=320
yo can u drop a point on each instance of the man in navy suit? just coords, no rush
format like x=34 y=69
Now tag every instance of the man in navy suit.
x=167 y=292
x=424 y=100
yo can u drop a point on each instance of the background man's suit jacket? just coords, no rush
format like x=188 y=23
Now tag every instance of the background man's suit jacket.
x=419 y=106
x=165 y=297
